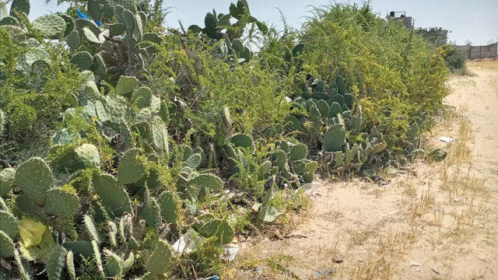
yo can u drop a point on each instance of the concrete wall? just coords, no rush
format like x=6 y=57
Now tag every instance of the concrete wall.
x=480 y=52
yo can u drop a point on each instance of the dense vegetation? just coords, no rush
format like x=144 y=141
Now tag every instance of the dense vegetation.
x=128 y=150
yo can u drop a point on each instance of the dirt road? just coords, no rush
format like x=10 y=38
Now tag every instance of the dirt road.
x=433 y=221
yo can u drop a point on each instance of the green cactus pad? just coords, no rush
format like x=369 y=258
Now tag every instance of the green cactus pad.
x=7 y=179
x=168 y=207
x=70 y=24
x=159 y=134
x=70 y=265
x=114 y=197
x=334 y=138
x=264 y=169
x=126 y=85
x=7 y=247
x=51 y=26
x=243 y=141
x=22 y=6
x=80 y=248
x=99 y=65
x=128 y=262
x=113 y=264
x=83 y=60
x=323 y=107
x=158 y=262
x=225 y=233
x=151 y=212
x=55 y=262
x=88 y=154
x=116 y=29
x=210 y=228
x=82 y=23
x=9 y=21
x=97 y=258
x=113 y=230
x=281 y=159
x=61 y=203
x=209 y=181
x=89 y=35
x=193 y=161
x=94 y=10
x=8 y=224
x=34 y=178
x=91 y=229
x=142 y=97
x=298 y=152
x=130 y=168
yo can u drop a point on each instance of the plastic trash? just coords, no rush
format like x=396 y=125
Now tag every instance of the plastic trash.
x=445 y=139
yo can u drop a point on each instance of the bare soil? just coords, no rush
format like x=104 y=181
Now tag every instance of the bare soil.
x=429 y=221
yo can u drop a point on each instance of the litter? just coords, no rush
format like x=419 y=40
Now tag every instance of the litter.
x=445 y=139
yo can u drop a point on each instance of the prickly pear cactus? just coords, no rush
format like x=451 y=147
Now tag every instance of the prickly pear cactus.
x=126 y=85
x=61 y=203
x=55 y=262
x=168 y=207
x=243 y=141
x=22 y=6
x=158 y=262
x=334 y=138
x=113 y=264
x=114 y=197
x=7 y=246
x=7 y=178
x=34 y=178
x=130 y=168
x=88 y=154
x=51 y=26
x=209 y=181
x=82 y=60
x=9 y=224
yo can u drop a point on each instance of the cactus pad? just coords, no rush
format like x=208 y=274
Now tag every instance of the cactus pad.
x=90 y=228
x=55 y=262
x=6 y=245
x=151 y=212
x=158 y=262
x=34 y=178
x=113 y=264
x=82 y=60
x=7 y=178
x=51 y=26
x=21 y=6
x=61 y=203
x=88 y=154
x=126 y=85
x=142 y=97
x=168 y=207
x=130 y=168
x=298 y=152
x=70 y=265
x=334 y=138
x=159 y=134
x=209 y=181
x=242 y=140
x=8 y=224
x=114 y=197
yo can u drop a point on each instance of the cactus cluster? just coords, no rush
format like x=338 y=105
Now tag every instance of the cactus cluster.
x=231 y=43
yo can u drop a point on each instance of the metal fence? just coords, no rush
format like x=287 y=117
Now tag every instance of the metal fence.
x=480 y=52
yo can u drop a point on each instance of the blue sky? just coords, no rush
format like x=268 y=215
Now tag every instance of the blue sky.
x=474 y=20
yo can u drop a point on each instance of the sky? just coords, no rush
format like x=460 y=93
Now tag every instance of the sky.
x=467 y=20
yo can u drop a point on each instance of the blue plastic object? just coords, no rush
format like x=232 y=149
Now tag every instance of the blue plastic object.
x=84 y=16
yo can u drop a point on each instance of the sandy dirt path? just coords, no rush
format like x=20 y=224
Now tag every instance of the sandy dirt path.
x=431 y=221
